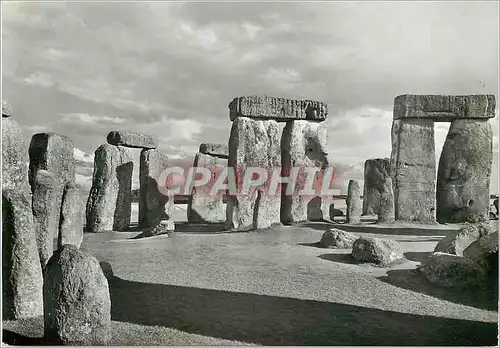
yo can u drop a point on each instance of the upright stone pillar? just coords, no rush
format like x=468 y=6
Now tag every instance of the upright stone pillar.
x=386 y=207
x=353 y=201
x=376 y=171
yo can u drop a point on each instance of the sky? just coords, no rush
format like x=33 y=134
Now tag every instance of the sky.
x=171 y=69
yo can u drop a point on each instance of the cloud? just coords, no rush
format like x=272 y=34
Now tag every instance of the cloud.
x=83 y=118
x=39 y=79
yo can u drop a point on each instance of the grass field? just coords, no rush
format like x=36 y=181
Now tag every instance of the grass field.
x=276 y=287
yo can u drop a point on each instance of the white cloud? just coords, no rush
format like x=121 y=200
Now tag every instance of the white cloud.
x=39 y=79
x=82 y=156
x=90 y=119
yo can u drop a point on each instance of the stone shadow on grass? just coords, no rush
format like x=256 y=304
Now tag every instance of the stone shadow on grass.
x=412 y=279
x=421 y=256
x=341 y=258
x=14 y=339
x=271 y=320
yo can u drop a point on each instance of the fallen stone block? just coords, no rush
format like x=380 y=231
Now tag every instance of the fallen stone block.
x=132 y=139
x=484 y=252
x=457 y=242
x=163 y=227
x=335 y=238
x=378 y=251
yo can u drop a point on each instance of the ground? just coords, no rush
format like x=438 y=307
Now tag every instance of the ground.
x=276 y=287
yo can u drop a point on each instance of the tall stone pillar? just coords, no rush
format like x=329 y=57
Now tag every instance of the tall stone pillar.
x=376 y=171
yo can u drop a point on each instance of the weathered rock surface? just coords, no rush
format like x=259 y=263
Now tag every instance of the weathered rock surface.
x=154 y=205
x=108 y=205
x=335 y=238
x=6 y=109
x=456 y=243
x=353 y=201
x=71 y=221
x=253 y=143
x=163 y=227
x=14 y=155
x=335 y=212
x=21 y=269
x=280 y=109
x=46 y=213
x=448 y=270
x=413 y=170
x=132 y=139
x=377 y=251
x=376 y=171
x=204 y=204
x=216 y=150
x=444 y=108
x=77 y=305
x=304 y=145
x=463 y=182
x=484 y=252
x=386 y=203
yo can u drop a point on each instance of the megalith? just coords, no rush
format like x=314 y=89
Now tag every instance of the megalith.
x=463 y=181
x=216 y=150
x=21 y=269
x=376 y=171
x=304 y=146
x=386 y=206
x=132 y=139
x=71 y=221
x=14 y=151
x=353 y=201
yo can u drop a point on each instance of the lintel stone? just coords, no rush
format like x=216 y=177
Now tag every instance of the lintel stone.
x=216 y=150
x=132 y=139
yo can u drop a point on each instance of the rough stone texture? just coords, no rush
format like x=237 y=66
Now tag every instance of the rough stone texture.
x=377 y=251
x=14 y=155
x=463 y=181
x=335 y=212
x=21 y=269
x=132 y=139
x=109 y=202
x=163 y=227
x=413 y=170
x=6 y=109
x=253 y=143
x=46 y=213
x=216 y=150
x=353 y=201
x=71 y=221
x=281 y=109
x=386 y=206
x=484 y=252
x=154 y=206
x=203 y=204
x=77 y=304
x=335 y=238
x=376 y=171
x=304 y=145
x=444 y=108
x=454 y=271
x=457 y=242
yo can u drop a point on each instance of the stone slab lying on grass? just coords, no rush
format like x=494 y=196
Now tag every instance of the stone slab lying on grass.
x=484 y=252
x=335 y=238
x=448 y=270
x=132 y=139
x=377 y=251
x=163 y=227
x=456 y=243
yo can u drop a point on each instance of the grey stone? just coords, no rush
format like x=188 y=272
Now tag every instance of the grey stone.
x=353 y=201
x=216 y=150
x=163 y=227
x=109 y=202
x=413 y=170
x=280 y=109
x=457 y=242
x=335 y=212
x=484 y=252
x=452 y=271
x=46 y=213
x=21 y=270
x=203 y=204
x=376 y=171
x=6 y=109
x=304 y=145
x=386 y=206
x=444 y=108
x=154 y=205
x=378 y=251
x=132 y=139
x=253 y=143
x=335 y=238
x=463 y=181
x=14 y=155
x=77 y=304
x=71 y=221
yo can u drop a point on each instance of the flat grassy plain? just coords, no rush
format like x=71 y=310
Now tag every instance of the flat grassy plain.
x=276 y=287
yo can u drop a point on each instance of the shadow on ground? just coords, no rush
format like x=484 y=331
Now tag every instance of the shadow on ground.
x=421 y=256
x=15 y=339
x=270 y=320
x=342 y=258
x=411 y=279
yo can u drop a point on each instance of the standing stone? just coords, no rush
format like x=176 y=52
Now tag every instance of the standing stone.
x=376 y=171
x=203 y=204
x=132 y=139
x=46 y=213
x=76 y=299
x=217 y=150
x=14 y=154
x=253 y=143
x=154 y=206
x=304 y=145
x=353 y=201
x=413 y=168
x=463 y=183
x=108 y=205
x=21 y=270
x=6 y=109
x=386 y=206
x=71 y=222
